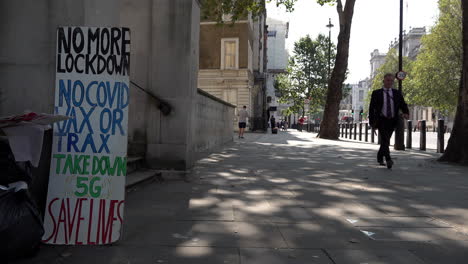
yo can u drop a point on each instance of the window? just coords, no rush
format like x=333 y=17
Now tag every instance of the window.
x=230 y=53
x=361 y=96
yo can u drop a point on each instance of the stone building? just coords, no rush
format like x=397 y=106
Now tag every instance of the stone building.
x=170 y=121
x=377 y=60
x=359 y=93
x=411 y=42
x=233 y=63
x=277 y=63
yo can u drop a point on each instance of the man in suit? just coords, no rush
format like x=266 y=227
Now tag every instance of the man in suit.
x=383 y=115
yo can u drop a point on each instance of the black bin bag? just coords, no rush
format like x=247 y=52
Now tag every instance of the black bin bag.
x=21 y=227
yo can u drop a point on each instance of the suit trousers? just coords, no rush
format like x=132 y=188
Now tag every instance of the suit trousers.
x=386 y=127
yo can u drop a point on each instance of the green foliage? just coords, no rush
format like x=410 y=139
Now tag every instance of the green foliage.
x=433 y=78
x=391 y=66
x=214 y=9
x=307 y=74
x=436 y=73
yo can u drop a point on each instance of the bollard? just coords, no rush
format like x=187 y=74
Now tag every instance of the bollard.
x=409 y=135
x=360 y=131
x=366 y=134
x=342 y=129
x=355 y=131
x=346 y=131
x=350 y=130
x=422 y=137
x=372 y=135
x=440 y=136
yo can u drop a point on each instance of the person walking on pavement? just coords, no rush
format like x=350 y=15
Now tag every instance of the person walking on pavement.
x=273 y=123
x=243 y=115
x=383 y=115
x=301 y=123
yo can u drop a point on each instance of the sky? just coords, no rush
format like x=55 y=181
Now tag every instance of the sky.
x=375 y=24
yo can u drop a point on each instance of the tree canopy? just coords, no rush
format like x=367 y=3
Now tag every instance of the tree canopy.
x=433 y=78
x=457 y=148
x=307 y=74
x=436 y=72
x=215 y=9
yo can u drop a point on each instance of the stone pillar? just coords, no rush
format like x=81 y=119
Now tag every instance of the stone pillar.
x=173 y=77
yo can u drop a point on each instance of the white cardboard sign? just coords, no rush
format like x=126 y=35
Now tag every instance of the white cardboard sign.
x=85 y=200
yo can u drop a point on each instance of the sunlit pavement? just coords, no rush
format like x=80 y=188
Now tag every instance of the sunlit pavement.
x=293 y=198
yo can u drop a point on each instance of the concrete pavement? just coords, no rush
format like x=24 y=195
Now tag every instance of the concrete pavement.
x=293 y=198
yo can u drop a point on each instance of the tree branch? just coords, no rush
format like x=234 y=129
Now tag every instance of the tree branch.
x=339 y=9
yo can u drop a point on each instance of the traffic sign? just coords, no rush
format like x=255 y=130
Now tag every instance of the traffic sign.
x=401 y=75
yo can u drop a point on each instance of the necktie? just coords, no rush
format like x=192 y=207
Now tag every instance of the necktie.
x=389 y=106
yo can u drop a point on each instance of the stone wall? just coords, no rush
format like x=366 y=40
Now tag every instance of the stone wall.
x=164 y=62
x=214 y=123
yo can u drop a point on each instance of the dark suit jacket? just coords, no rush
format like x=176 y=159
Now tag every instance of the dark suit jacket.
x=376 y=104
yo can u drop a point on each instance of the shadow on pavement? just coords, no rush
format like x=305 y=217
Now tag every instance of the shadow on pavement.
x=292 y=198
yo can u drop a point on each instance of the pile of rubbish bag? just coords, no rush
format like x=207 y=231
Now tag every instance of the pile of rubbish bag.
x=21 y=226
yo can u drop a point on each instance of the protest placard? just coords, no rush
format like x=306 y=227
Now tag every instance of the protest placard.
x=86 y=194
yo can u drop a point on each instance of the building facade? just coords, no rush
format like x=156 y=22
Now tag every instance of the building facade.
x=232 y=65
x=170 y=121
x=276 y=64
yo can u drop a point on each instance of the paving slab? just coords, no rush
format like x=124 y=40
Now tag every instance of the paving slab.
x=353 y=256
x=412 y=234
x=181 y=233
x=147 y=255
x=282 y=256
x=321 y=235
x=397 y=221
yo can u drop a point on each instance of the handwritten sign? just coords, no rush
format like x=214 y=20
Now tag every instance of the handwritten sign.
x=85 y=200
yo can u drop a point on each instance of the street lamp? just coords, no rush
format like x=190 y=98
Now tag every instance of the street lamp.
x=400 y=133
x=329 y=26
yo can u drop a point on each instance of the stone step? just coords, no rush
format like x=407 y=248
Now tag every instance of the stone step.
x=135 y=163
x=140 y=176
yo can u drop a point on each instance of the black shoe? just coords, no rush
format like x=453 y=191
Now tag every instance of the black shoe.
x=381 y=163
x=389 y=164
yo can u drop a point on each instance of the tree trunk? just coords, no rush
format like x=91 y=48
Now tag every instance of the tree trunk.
x=457 y=148
x=329 y=126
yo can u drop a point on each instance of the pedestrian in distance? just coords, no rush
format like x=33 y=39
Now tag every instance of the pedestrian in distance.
x=274 y=127
x=301 y=123
x=243 y=115
x=383 y=115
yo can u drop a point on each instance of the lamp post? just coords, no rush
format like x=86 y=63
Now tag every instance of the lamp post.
x=400 y=133
x=329 y=26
